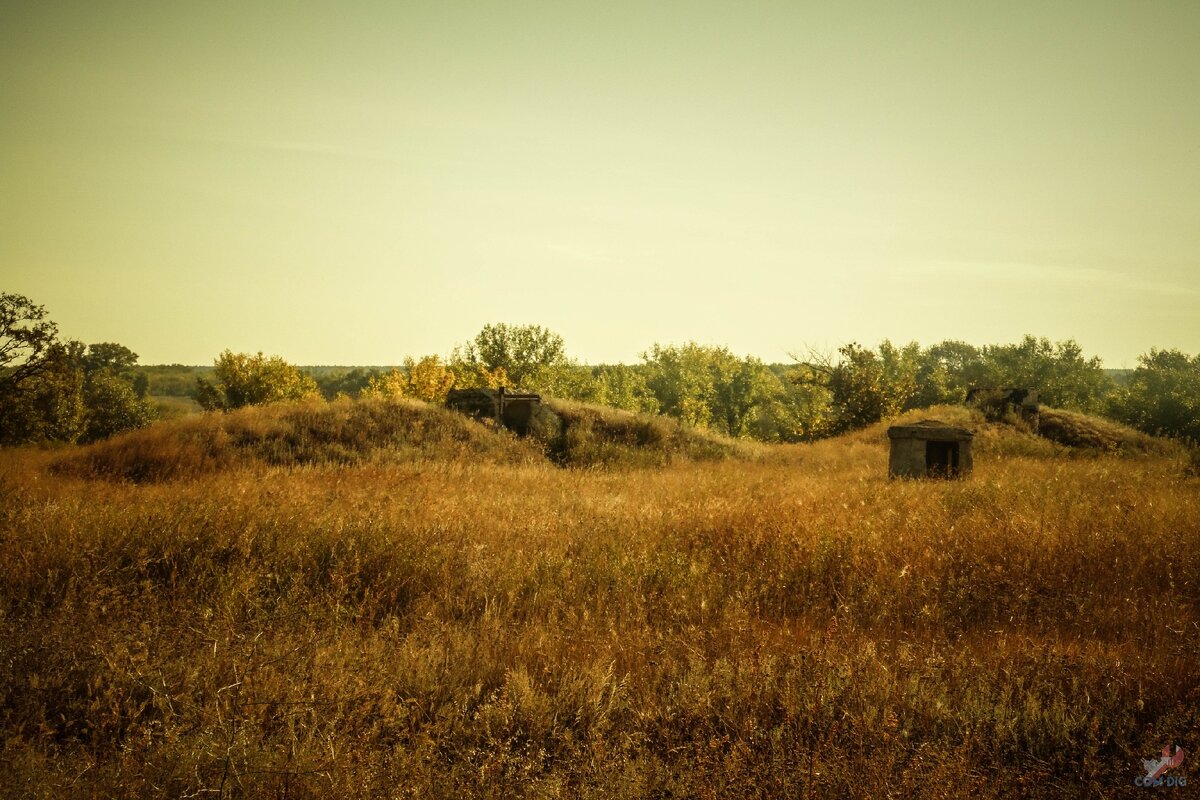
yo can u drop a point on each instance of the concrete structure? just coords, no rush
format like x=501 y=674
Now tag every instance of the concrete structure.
x=929 y=449
x=514 y=410
x=996 y=403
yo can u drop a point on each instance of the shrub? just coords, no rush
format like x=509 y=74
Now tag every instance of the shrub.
x=241 y=379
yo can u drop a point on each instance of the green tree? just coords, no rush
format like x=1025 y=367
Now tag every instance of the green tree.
x=114 y=391
x=116 y=358
x=681 y=380
x=901 y=366
x=350 y=383
x=241 y=379
x=1060 y=372
x=798 y=412
x=709 y=386
x=1162 y=396
x=27 y=338
x=625 y=387
x=49 y=406
x=62 y=392
x=864 y=386
x=945 y=372
x=112 y=405
x=525 y=352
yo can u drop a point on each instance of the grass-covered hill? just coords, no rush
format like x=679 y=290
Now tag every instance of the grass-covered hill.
x=381 y=431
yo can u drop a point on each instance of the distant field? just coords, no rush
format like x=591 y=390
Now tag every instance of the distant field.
x=170 y=406
x=298 y=609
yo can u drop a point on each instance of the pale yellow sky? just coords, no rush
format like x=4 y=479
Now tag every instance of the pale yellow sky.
x=355 y=182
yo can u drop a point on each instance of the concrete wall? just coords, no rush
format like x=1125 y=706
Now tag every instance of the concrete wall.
x=907 y=458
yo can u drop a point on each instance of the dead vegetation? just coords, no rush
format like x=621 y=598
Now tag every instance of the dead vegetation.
x=793 y=625
x=1073 y=429
x=600 y=436
x=342 y=432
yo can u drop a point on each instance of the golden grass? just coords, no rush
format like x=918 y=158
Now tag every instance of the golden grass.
x=599 y=436
x=316 y=433
x=791 y=626
x=1074 y=429
x=304 y=433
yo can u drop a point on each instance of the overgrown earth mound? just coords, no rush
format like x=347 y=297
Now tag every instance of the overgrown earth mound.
x=1073 y=429
x=296 y=434
x=602 y=436
x=347 y=432
x=1059 y=434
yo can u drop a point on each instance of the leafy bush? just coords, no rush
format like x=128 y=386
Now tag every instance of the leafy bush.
x=710 y=387
x=241 y=379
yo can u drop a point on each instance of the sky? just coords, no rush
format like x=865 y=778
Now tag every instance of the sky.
x=354 y=182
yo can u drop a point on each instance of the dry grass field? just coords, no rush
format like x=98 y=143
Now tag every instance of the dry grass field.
x=386 y=600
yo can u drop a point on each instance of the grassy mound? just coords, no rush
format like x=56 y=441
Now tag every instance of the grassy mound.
x=1058 y=433
x=295 y=434
x=1073 y=429
x=352 y=432
x=600 y=436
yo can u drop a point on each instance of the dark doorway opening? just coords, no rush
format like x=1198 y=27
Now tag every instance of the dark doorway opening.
x=941 y=458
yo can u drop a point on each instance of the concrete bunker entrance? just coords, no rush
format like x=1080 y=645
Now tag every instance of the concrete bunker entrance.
x=941 y=458
x=929 y=449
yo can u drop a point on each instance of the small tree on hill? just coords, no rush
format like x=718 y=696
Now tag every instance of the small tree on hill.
x=524 y=352
x=241 y=379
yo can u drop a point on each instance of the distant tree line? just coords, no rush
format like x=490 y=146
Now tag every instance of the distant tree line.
x=65 y=391
x=818 y=395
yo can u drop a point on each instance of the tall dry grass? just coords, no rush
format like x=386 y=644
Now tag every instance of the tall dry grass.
x=792 y=626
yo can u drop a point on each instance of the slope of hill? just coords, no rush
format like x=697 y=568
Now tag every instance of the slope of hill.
x=1059 y=433
x=356 y=431
x=295 y=434
x=601 y=436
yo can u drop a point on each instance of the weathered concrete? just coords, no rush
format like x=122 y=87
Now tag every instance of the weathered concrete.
x=929 y=449
x=516 y=411
x=996 y=403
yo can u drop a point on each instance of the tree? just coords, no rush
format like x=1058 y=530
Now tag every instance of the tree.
x=522 y=351
x=112 y=405
x=1059 y=371
x=63 y=392
x=863 y=386
x=682 y=383
x=900 y=367
x=116 y=358
x=241 y=379
x=350 y=384
x=26 y=338
x=48 y=407
x=427 y=379
x=621 y=386
x=945 y=372
x=709 y=386
x=114 y=393
x=41 y=384
x=1162 y=396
